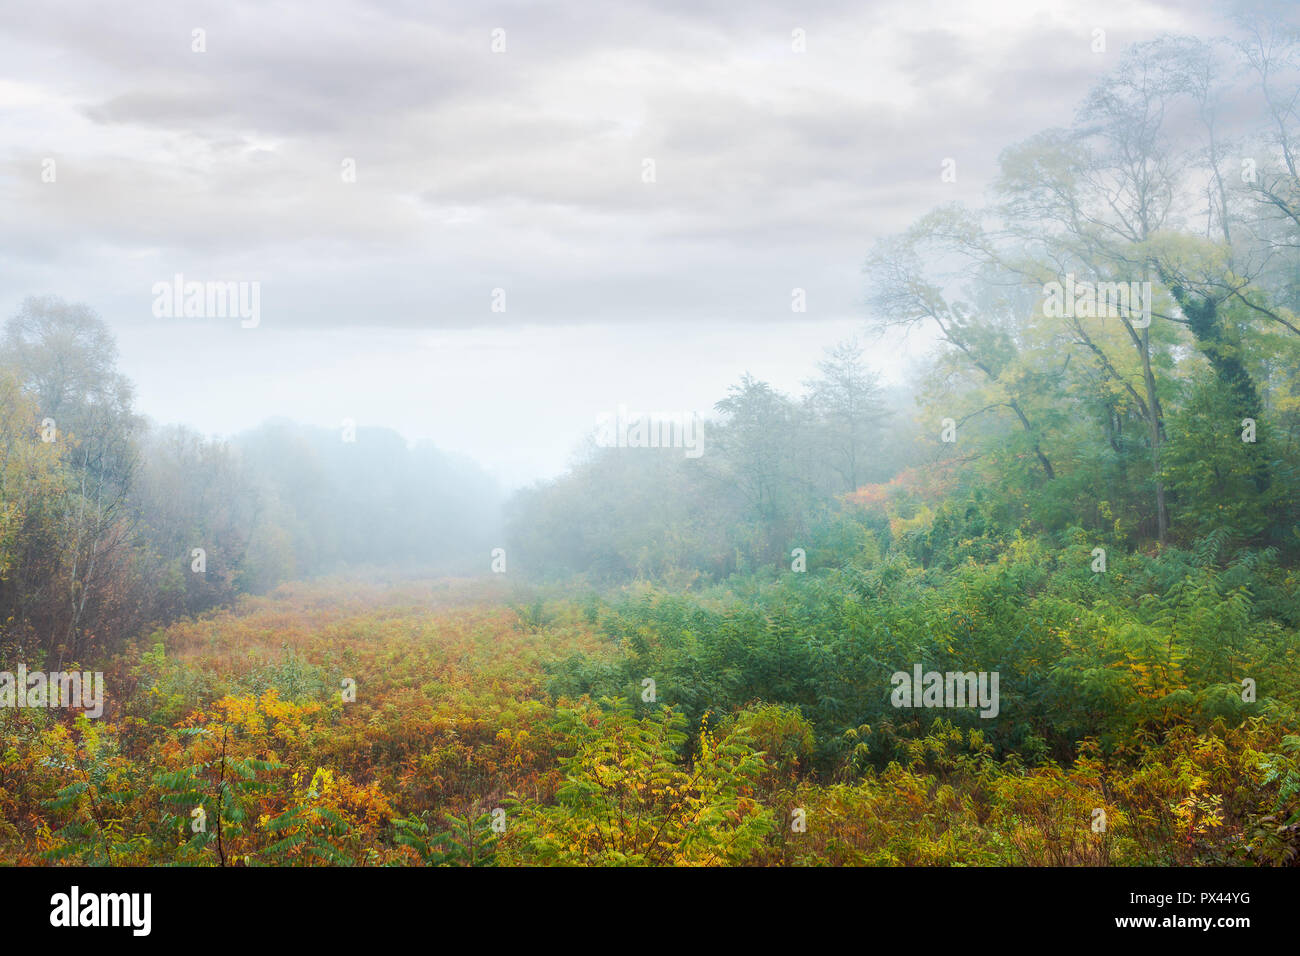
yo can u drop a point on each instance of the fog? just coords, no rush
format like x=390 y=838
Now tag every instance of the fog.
x=657 y=434
x=521 y=171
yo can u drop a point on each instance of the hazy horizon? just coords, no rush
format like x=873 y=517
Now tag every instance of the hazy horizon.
x=521 y=170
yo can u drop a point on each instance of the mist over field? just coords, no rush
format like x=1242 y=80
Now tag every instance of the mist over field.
x=650 y=435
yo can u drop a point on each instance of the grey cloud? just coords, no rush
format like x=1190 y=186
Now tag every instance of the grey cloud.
x=520 y=170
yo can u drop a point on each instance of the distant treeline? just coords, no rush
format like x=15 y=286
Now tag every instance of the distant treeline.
x=1158 y=407
x=768 y=477
x=101 y=511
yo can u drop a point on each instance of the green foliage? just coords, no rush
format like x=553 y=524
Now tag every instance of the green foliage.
x=467 y=841
x=629 y=800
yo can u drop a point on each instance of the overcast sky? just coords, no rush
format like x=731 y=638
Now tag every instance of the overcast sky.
x=521 y=170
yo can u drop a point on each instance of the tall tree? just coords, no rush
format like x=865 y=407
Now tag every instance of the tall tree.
x=846 y=402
